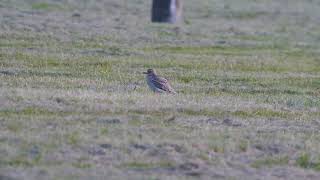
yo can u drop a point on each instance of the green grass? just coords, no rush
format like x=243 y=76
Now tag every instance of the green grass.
x=244 y=15
x=81 y=165
x=304 y=161
x=269 y=162
x=145 y=166
x=73 y=138
x=46 y=6
x=18 y=162
x=209 y=50
x=28 y=111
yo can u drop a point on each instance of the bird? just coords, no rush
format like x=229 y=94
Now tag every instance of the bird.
x=158 y=84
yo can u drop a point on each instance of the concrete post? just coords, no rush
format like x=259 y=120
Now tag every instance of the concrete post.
x=166 y=11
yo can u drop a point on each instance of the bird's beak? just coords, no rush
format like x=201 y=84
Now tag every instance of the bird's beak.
x=144 y=72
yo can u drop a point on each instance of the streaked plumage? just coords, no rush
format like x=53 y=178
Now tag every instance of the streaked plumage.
x=158 y=84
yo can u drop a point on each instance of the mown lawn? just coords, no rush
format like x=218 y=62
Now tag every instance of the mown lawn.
x=74 y=103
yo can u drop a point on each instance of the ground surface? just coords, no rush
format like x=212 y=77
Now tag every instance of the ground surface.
x=74 y=104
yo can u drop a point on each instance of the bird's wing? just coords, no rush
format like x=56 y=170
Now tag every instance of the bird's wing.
x=162 y=84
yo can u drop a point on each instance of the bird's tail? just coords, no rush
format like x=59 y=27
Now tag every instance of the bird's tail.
x=172 y=91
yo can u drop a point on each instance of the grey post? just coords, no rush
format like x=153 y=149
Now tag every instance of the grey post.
x=166 y=11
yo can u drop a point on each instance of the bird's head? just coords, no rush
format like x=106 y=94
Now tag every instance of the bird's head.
x=150 y=71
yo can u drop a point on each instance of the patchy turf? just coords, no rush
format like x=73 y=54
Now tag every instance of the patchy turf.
x=74 y=103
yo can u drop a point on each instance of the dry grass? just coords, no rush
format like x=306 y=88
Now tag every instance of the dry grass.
x=74 y=104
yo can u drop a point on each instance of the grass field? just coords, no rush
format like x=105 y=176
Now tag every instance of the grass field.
x=74 y=103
